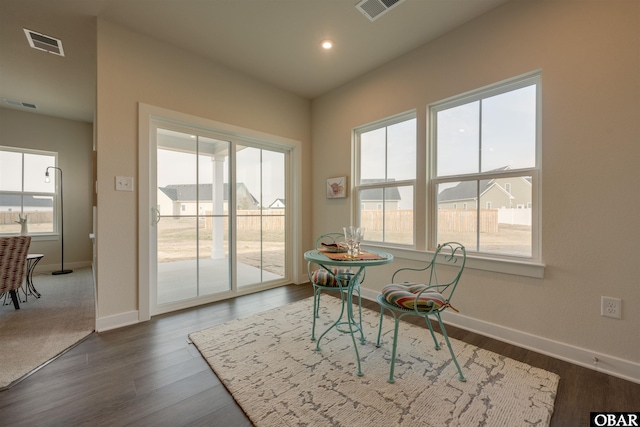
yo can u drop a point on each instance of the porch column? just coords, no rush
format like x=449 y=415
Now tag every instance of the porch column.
x=217 y=194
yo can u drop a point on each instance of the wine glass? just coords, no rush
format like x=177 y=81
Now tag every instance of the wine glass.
x=359 y=236
x=349 y=237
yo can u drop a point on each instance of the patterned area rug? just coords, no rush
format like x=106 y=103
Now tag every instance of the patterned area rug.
x=269 y=364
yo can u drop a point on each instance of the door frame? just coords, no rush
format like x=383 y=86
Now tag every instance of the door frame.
x=147 y=116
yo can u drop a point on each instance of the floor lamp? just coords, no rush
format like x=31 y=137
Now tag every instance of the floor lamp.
x=46 y=179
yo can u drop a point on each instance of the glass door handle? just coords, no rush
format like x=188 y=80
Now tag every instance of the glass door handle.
x=155 y=216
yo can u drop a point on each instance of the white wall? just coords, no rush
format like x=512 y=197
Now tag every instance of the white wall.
x=589 y=55
x=136 y=69
x=73 y=141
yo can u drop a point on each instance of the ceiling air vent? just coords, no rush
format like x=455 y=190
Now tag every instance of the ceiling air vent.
x=20 y=103
x=43 y=42
x=373 y=9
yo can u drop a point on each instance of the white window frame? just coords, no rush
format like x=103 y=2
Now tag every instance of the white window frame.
x=55 y=194
x=534 y=172
x=358 y=186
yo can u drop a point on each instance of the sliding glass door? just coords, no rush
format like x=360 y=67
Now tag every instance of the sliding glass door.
x=219 y=217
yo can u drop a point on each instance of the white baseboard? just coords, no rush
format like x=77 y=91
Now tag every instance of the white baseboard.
x=607 y=364
x=116 y=321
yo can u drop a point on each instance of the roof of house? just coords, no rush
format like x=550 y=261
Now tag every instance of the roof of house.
x=188 y=193
x=276 y=201
x=466 y=190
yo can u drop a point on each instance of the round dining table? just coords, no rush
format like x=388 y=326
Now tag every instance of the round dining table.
x=326 y=260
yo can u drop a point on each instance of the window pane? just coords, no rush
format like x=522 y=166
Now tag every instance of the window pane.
x=398 y=217
x=273 y=180
x=401 y=151
x=502 y=225
x=458 y=139
x=506 y=228
x=10 y=209
x=372 y=155
x=39 y=212
x=177 y=259
x=273 y=211
x=248 y=180
x=387 y=214
x=273 y=251
x=509 y=130
x=457 y=213
x=177 y=178
x=35 y=166
x=11 y=171
x=371 y=214
x=214 y=268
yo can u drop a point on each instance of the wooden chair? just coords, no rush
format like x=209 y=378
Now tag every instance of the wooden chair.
x=425 y=299
x=13 y=262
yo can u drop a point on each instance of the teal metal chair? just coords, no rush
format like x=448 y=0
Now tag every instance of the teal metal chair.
x=334 y=279
x=425 y=299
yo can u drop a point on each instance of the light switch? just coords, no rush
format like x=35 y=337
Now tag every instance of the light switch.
x=124 y=183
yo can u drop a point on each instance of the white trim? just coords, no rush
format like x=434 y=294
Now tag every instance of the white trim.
x=607 y=364
x=505 y=86
x=116 y=321
x=474 y=261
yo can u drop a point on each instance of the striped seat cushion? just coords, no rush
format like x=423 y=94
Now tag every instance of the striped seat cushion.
x=322 y=277
x=404 y=295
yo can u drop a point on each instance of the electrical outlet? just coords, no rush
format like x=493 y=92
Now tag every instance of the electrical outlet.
x=611 y=307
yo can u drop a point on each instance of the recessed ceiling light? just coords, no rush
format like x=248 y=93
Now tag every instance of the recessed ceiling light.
x=326 y=44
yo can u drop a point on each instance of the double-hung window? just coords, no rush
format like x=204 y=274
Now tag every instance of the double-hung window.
x=385 y=179
x=485 y=156
x=24 y=192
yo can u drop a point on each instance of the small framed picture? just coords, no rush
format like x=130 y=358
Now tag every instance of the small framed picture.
x=337 y=187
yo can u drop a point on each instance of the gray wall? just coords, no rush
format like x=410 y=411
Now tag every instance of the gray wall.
x=73 y=141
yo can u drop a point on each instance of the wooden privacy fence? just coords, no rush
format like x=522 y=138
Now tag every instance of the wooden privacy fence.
x=399 y=220
x=271 y=220
x=449 y=220
x=458 y=220
x=32 y=217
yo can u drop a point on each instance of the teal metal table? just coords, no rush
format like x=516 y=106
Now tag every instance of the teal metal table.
x=369 y=258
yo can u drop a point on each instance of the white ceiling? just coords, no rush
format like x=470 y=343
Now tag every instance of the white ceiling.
x=275 y=41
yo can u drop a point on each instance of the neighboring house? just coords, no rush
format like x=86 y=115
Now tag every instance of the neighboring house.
x=180 y=199
x=277 y=204
x=501 y=193
x=372 y=199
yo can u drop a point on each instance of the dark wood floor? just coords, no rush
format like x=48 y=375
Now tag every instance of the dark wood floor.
x=148 y=374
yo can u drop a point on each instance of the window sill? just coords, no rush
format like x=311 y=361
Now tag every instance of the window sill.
x=474 y=261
